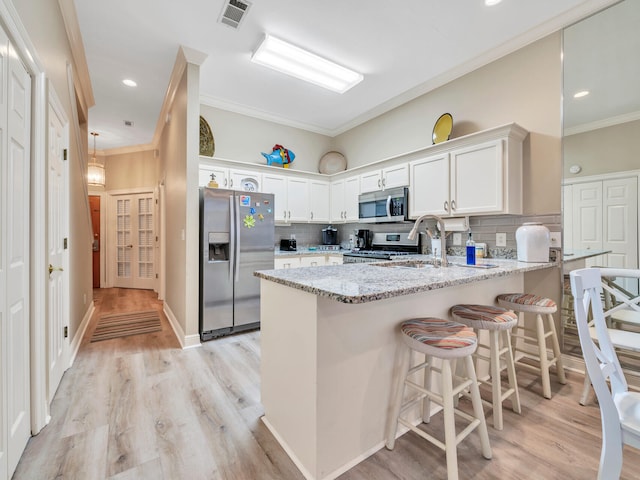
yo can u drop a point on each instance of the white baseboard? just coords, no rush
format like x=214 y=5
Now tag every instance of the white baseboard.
x=77 y=338
x=186 y=341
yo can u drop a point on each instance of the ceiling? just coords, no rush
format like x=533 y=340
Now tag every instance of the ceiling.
x=404 y=49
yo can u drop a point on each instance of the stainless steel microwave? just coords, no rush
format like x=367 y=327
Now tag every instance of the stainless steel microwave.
x=390 y=205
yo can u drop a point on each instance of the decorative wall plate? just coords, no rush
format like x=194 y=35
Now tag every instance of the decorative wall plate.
x=207 y=144
x=332 y=162
x=442 y=128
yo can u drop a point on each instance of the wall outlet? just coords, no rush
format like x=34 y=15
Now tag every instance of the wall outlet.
x=457 y=239
x=556 y=239
x=501 y=239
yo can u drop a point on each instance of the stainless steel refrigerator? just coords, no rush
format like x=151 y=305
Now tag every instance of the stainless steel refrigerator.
x=236 y=238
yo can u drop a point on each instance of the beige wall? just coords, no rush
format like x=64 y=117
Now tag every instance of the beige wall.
x=132 y=170
x=606 y=150
x=51 y=45
x=179 y=165
x=523 y=87
x=242 y=138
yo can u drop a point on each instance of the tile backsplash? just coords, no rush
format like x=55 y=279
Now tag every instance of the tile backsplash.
x=484 y=231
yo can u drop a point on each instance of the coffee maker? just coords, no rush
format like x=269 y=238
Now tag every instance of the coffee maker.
x=363 y=239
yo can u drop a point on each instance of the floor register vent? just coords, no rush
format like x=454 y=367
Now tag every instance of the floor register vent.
x=233 y=12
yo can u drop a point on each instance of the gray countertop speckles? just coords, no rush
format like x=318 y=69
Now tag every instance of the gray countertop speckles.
x=366 y=282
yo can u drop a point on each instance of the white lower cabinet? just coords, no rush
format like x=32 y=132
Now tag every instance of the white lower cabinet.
x=288 y=261
x=295 y=261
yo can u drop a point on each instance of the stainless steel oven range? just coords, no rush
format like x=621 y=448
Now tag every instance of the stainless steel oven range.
x=384 y=246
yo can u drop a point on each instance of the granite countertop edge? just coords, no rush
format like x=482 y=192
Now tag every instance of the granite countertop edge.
x=364 y=282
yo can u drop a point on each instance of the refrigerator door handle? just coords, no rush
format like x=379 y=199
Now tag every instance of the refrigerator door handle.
x=232 y=227
x=236 y=239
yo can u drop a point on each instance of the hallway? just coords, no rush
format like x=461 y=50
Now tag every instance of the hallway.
x=140 y=407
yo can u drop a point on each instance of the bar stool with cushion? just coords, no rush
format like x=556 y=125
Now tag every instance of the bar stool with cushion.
x=527 y=303
x=499 y=322
x=448 y=341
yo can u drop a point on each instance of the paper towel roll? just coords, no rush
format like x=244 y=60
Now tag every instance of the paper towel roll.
x=458 y=224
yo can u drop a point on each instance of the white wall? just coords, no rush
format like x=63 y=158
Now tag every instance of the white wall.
x=523 y=87
x=50 y=41
x=605 y=150
x=242 y=138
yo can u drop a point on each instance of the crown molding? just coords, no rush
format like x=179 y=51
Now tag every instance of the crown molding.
x=81 y=76
x=605 y=122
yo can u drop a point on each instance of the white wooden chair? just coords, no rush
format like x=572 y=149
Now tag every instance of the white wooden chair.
x=619 y=408
x=621 y=307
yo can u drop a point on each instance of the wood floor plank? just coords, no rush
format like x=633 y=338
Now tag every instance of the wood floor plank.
x=141 y=408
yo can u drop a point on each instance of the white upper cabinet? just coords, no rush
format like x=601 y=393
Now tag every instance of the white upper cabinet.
x=291 y=197
x=245 y=180
x=471 y=177
x=221 y=174
x=277 y=184
x=344 y=199
x=319 y=201
x=387 y=177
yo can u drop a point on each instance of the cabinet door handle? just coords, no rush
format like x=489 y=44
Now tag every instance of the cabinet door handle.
x=379 y=183
x=453 y=205
x=225 y=182
x=311 y=215
x=383 y=182
x=446 y=206
x=231 y=182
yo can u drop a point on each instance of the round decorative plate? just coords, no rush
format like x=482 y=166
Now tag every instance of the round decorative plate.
x=442 y=128
x=332 y=162
x=207 y=144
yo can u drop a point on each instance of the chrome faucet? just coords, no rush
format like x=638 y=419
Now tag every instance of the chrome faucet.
x=443 y=235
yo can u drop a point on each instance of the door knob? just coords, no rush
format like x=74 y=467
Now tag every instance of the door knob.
x=54 y=269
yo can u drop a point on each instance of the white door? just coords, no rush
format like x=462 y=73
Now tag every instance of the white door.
x=133 y=248
x=57 y=340
x=15 y=93
x=620 y=222
x=587 y=217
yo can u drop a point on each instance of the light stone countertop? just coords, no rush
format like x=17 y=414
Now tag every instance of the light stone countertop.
x=367 y=282
x=573 y=255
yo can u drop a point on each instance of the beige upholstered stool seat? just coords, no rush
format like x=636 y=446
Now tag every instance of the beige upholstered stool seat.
x=498 y=322
x=528 y=303
x=444 y=341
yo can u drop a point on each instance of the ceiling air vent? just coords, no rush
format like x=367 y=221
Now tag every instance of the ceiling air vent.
x=233 y=12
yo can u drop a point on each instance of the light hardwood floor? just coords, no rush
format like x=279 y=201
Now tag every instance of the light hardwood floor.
x=141 y=408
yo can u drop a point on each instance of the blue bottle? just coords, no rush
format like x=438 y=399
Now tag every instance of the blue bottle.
x=471 y=251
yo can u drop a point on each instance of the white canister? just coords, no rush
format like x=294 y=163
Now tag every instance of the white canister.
x=533 y=242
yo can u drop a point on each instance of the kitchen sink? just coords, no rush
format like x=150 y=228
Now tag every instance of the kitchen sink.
x=413 y=264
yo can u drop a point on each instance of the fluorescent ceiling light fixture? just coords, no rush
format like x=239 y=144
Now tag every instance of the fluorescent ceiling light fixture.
x=129 y=83
x=491 y=3
x=581 y=93
x=299 y=63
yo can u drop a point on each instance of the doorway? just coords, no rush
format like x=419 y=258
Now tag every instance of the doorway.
x=94 y=206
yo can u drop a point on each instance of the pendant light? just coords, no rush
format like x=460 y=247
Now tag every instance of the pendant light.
x=95 y=173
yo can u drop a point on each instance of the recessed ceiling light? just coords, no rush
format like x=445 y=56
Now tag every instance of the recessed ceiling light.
x=299 y=63
x=491 y=3
x=129 y=83
x=581 y=93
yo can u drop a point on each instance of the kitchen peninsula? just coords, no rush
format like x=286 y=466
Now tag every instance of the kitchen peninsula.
x=329 y=342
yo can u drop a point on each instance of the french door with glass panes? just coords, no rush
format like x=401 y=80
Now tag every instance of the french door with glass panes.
x=133 y=244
